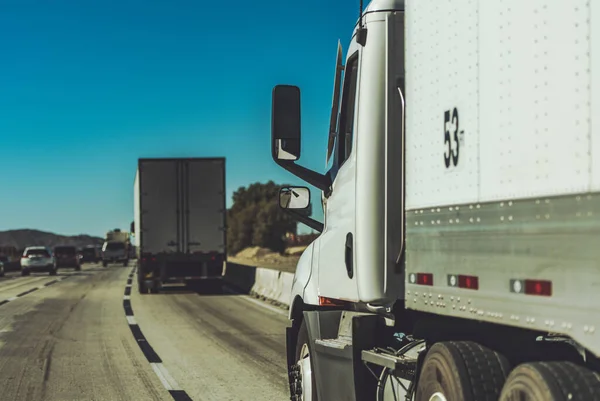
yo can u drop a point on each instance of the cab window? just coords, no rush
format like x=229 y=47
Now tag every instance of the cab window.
x=345 y=128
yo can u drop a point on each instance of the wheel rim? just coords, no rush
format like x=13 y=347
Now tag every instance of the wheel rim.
x=305 y=373
x=437 y=397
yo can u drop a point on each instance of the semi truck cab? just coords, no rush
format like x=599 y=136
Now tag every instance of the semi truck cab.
x=459 y=240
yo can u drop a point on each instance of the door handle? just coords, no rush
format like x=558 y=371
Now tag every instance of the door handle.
x=349 y=256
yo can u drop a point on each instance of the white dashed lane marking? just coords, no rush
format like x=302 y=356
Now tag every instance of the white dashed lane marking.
x=161 y=371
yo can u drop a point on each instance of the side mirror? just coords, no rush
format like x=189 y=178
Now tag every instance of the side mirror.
x=285 y=123
x=294 y=198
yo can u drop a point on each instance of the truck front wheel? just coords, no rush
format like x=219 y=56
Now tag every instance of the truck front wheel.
x=461 y=370
x=304 y=386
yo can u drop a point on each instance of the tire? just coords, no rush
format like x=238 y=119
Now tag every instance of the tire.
x=462 y=370
x=216 y=287
x=155 y=288
x=52 y=272
x=142 y=289
x=301 y=348
x=25 y=272
x=551 y=381
x=126 y=263
x=78 y=269
x=104 y=264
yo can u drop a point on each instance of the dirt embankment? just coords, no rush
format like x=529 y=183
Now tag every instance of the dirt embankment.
x=261 y=257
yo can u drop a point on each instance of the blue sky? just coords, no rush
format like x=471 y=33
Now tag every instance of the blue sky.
x=88 y=87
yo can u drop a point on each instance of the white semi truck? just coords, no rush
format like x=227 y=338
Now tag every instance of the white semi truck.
x=459 y=258
x=179 y=212
x=116 y=247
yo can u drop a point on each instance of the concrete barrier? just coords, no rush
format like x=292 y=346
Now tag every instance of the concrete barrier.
x=240 y=277
x=269 y=284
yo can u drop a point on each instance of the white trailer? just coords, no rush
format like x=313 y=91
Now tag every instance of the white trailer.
x=116 y=247
x=459 y=258
x=179 y=209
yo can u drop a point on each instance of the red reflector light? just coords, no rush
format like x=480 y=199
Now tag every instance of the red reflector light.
x=212 y=258
x=154 y=259
x=538 y=287
x=425 y=278
x=470 y=282
x=323 y=301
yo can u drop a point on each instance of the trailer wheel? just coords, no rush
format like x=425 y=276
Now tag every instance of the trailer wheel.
x=551 y=381
x=304 y=387
x=142 y=289
x=461 y=370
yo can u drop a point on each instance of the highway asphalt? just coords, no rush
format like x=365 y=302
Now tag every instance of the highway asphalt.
x=89 y=335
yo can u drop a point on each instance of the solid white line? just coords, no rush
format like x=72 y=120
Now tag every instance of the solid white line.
x=165 y=377
x=131 y=320
x=265 y=305
x=11 y=299
x=126 y=297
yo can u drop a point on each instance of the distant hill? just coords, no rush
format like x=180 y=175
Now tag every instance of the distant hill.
x=24 y=238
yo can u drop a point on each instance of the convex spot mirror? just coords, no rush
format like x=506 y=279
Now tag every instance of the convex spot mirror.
x=285 y=123
x=294 y=198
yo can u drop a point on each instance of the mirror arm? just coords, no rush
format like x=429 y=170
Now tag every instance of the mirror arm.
x=321 y=181
x=312 y=223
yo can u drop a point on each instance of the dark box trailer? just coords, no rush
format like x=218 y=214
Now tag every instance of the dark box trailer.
x=179 y=208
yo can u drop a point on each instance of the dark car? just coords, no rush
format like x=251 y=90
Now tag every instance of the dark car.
x=90 y=254
x=67 y=256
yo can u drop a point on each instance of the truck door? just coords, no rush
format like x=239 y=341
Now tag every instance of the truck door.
x=160 y=190
x=336 y=241
x=204 y=206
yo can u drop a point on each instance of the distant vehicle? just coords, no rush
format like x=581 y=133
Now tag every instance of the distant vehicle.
x=12 y=255
x=115 y=252
x=179 y=227
x=6 y=265
x=37 y=259
x=90 y=254
x=66 y=256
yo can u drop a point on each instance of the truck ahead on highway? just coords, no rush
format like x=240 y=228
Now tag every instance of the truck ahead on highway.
x=459 y=259
x=116 y=247
x=179 y=212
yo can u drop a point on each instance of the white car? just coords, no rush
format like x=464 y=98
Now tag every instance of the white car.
x=37 y=258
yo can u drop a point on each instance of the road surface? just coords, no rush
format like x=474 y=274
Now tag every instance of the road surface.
x=78 y=336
